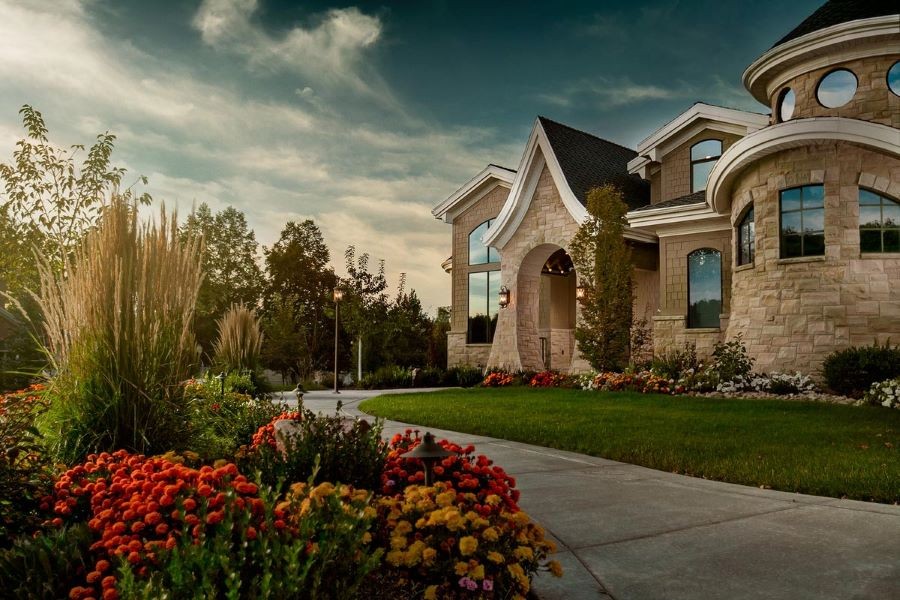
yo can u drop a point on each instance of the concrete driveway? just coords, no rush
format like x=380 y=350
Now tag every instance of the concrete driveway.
x=630 y=533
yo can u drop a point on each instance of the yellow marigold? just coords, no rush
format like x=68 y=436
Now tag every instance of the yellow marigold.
x=490 y=534
x=414 y=554
x=428 y=555
x=518 y=574
x=421 y=523
x=369 y=512
x=468 y=545
x=495 y=557
x=521 y=519
x=445 y=499
x=477 y=573
x=462 y=568
x=402 y=528
x=472 y=516
x=326 y=488
x=367 y=537
x=298 y=489
x=492 y=500
x=523 y=553
x=398 y=542
x=431 y=592
x=394 y=557
x=555 y=568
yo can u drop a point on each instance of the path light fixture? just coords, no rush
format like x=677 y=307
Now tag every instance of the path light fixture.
x=503 y=297
x=430 y=453
x=580 y=292
x=338 y=296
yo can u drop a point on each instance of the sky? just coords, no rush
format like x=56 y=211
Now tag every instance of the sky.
x=362 y=116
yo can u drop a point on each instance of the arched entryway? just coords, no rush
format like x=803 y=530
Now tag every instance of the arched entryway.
x=546 y=309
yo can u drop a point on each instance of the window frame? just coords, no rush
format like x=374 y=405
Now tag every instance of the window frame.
x=751 y=246
x=887 y=79
x=689 y=323
x=490 y=298
x=701 y=161
x=828 y=74
x=491 y=252
x=779 y=112
x=884 y=198
x=781 y=236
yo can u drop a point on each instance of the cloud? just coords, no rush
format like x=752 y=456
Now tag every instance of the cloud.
x=606 y=94
x=331 y=51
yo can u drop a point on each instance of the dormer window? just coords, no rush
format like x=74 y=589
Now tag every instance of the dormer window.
x=703 y=157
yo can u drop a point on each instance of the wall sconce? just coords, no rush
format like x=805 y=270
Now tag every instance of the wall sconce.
x=503 y=297
x=580 y=292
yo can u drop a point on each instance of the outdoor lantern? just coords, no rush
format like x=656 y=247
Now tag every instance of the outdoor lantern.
x=338 y=294
x=430 y=453
x=503 y=297
x=580 y=292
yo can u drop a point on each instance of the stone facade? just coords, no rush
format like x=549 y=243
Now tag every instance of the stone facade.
x=873 y=100
x=793 y=312
x=675 y=168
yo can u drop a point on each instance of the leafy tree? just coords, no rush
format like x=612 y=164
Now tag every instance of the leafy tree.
x=365 y=304
x=301 y=281
x=407 y=329
x=602 y=259
x=437 y=341
x=231 y=272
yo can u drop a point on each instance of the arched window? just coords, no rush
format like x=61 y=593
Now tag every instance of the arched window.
x=704 y=288
x=879 y=223
x=746 y=238
x=703 y=157
x=480 y=254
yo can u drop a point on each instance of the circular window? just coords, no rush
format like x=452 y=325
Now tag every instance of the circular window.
x=894 y=78
x=786 y=103
x=836 y=89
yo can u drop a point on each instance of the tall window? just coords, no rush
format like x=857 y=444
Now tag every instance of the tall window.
x=703 y=157
x=879 y=223
x=484 y=291
x=803 y=221
x=704 y=288
x=480 y=254
x=746 y=238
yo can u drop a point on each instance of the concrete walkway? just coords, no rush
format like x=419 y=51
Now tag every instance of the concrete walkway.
x=629 y=533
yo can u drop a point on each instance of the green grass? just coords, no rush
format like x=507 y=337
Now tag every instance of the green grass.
x=814 y=448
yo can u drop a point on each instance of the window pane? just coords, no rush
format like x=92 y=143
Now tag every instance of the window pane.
x=870 y=240
x=478 y=308
x=892 y=240
x=814 y=244
x=706 y=149
x=836 y=89
x=493 y=293
x=893 y=78
x=786 y=105
x=867 y=197
x=870 y=216
x=790 y=246
x=790 y=223
x=813 y=196
x=890 y=213
x=478 y=254
x=814 y=220
x=790 y=199
x=705 y=288
x=699 y=174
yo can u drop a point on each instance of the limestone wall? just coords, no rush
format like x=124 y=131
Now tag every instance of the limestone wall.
x=675 y=172
x=793 y=312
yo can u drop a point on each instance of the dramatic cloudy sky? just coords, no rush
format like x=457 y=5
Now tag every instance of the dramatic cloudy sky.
x=362 y=116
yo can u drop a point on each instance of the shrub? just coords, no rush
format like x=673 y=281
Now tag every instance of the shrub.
x=442 y=543
x=674 y=363
x=329 y=448
x=118 y=324
x=240 y=340
x=25 y=471
x=884 y=393
x=852 y=371
x=644 y=382
x=549 y=379
x=387 y=377
x=464 y=376
x=497 y=379
x=46 y=566
x=730 y=359
x=464 y=471
x=430 y=377
x=770 y=383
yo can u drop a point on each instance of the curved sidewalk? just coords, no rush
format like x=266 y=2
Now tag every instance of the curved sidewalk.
x=631 y=533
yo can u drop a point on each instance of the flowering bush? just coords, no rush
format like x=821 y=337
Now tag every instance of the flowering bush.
x=885 y=393
x=443 y=545
x=770 y=383
x=464 y=471
x=548 y=379
x=498 y=379
x=25 y=473
x=644 y=382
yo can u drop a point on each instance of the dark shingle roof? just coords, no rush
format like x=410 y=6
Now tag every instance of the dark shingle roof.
x=588 y=161
x=695 y=198
x=835 y=12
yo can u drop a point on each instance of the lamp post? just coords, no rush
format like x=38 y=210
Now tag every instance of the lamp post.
x=338 y=296
x=429 y=452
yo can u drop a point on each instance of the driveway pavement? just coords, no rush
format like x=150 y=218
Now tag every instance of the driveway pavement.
x=628 y=533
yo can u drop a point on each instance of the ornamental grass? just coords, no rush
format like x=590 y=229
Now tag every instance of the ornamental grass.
x=118 y=322
x=240 y=340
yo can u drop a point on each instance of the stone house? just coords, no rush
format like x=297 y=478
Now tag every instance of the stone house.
x=783 y=227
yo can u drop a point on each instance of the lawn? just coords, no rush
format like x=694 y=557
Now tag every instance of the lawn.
x=824 y=449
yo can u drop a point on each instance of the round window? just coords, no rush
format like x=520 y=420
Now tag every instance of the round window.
x=894 y=78
x=786 y=103
x=836 y=89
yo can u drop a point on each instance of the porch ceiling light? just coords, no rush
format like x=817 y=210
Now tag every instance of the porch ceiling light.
x=503 y=297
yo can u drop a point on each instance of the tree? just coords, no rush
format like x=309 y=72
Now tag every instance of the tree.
x=602 y=260
x=300 y=283
x=407 y=329
x=365 y=304
x=231 y=272
x=437 y=341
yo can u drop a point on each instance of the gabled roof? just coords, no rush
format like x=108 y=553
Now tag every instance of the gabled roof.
x=835 y=12
x=695 y=198
x=488 y=178
x=588 y=161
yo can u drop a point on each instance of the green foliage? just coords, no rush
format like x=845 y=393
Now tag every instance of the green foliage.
x=852 y=371
x=231 y=274
x=437 y=341
x=45 y=567
x=464 y=376
x=321 y=555
x=602 y=259
x=730 y=359
x=324 y=447
x=387 y=377
x=25 y=471
x=118 y=329
x=676 y=362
